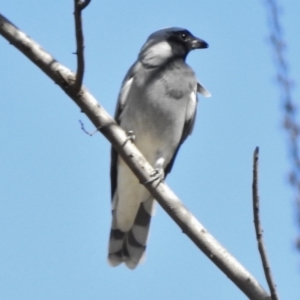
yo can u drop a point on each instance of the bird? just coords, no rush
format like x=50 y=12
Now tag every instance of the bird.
x=157 y=105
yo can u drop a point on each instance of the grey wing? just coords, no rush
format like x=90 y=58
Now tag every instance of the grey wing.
x=190 y=118
x=124 y=91
x=192 y=109
x=123 y=95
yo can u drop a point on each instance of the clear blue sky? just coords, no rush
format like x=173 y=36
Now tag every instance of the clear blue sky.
x=54 y=179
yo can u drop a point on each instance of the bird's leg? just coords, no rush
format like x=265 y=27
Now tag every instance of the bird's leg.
x=158 y=173
x=130 y=136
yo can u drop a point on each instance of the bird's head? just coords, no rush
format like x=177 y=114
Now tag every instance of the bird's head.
x=169 y=43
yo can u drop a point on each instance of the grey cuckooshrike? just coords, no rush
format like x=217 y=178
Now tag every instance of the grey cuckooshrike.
x=157 y=101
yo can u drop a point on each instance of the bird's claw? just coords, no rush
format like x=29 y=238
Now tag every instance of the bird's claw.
x=130 y=136
x=157 y=174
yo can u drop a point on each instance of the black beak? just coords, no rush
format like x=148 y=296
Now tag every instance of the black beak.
x=197 y=43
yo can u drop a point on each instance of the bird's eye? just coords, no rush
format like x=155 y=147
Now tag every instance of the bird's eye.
x=184 y=36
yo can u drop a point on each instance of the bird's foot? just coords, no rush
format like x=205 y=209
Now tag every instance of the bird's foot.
x=157 y=174
x=130 y=136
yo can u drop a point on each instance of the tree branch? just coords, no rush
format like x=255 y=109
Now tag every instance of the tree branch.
x=83 y=3
x=258 y=228
x=136 y=161
x=289 y=104
x=78 y=7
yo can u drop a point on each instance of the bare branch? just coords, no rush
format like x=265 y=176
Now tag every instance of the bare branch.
x=258 y=228
x=288 y=104
x=78 y=7
x=136 y=161
x=83 y=3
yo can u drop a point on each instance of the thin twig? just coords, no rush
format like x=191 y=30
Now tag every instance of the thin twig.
x=258 y=228
x=78 y=7
x=83 y=4
x=289 y=105
x=85 y=131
